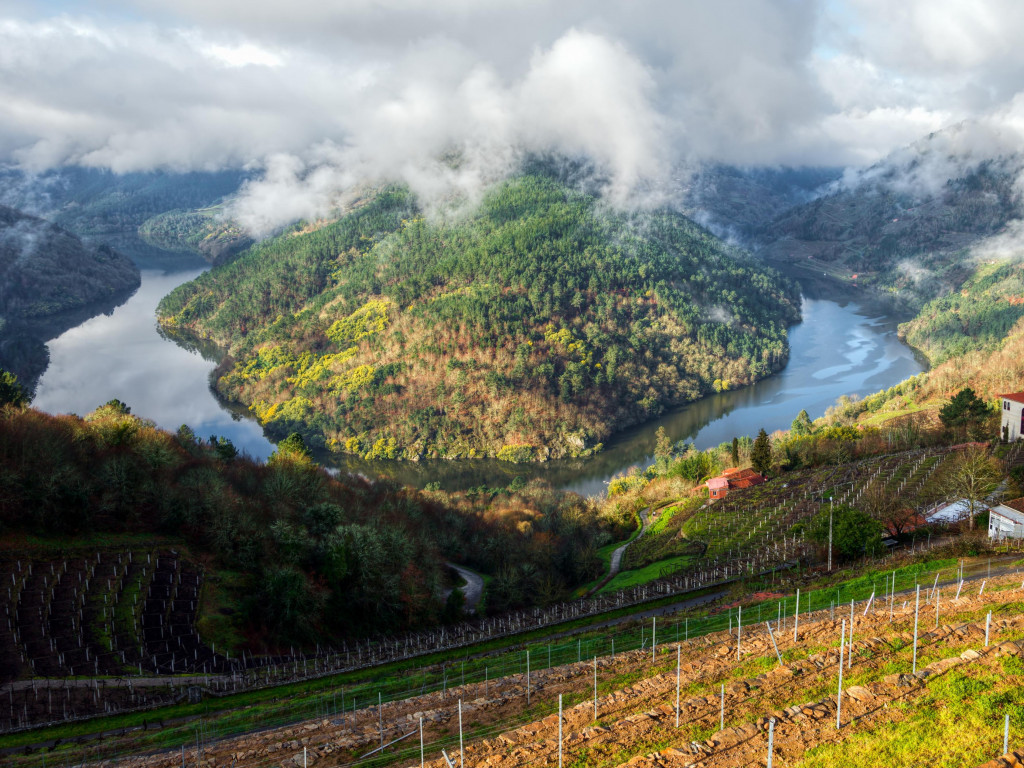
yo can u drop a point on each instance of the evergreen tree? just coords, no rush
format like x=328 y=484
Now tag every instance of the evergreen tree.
x=761 y=453
x=662 y=449
x=735 y=451
x=802 y=424
x=963 y=409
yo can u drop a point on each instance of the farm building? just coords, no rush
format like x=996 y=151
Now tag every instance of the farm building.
x=731 y=479
x=1012 y=408
x=1006 y=521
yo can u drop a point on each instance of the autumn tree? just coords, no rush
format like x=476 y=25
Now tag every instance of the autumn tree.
x=888 y=508
x=11 y=391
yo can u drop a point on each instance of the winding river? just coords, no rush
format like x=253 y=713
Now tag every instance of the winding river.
x=846 y=344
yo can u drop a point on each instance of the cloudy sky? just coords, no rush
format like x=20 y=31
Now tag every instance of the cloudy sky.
x=319 y=95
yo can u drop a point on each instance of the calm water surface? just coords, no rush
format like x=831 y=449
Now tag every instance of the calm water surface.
x=843 y=346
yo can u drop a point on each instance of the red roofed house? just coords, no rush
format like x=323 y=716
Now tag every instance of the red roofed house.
x=731 y=479
x=1012 y=428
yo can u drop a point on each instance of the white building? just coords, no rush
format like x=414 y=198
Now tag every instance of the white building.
x=1006 y=521
x=1012 y=427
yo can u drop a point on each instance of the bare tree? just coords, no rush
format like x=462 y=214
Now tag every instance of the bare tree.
x=972 y=475
x=888 y=508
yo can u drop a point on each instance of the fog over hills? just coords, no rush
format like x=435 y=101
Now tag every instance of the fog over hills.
x=313 y=99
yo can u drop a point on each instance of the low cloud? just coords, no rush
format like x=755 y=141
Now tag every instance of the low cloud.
x=449 y=95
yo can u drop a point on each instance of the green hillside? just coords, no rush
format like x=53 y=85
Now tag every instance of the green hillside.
x=50 y=281
x=298 y=555
x=203 y=231
x=532 y=329
x=978 y=316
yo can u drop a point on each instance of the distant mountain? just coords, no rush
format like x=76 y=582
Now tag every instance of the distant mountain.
x=48 y=278
x=737 y=203
x=202 y=231
x=905 y=225
x=534 y=328
x=104 y=207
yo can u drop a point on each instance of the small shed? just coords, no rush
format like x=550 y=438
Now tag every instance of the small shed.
x=1006 y=521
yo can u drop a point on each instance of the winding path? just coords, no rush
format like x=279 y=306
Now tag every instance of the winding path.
x=616 y=561
x=473 y=590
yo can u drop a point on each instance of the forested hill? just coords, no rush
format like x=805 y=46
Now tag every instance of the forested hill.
x=904 y=225
x=296 y=554
x=45 y=270
x=532 y=329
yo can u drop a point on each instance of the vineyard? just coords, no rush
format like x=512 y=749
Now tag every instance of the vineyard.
x=664 y=692
x=752 y=530
x=115 y=630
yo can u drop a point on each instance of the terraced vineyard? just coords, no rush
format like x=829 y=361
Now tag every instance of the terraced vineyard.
x=115 y=630
x=751 y=530
x=708 y=700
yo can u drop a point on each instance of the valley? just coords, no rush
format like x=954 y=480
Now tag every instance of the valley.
x=164 y=577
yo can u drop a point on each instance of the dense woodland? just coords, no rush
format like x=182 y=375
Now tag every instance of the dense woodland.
x=207 y=232
x=977 y=316
x=51 y=281
x=532 y=328
x=45 y=270
x=314 y=555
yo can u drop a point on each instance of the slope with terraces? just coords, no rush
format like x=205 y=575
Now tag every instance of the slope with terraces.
x=710 y=700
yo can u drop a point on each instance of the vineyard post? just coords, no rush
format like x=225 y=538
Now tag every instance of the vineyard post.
x=559 y=730
x=771 y=740
x=839 y=694
x=980 y=591
x=462 y=760
x=1006 y=733
x=739 y=630
x=917 y=605
x=679 y=666
x=421 y=742
x=831 y=507
x=527 y=678
x=849 y=653
x=595 y=689
x=721 y=716
x=988 y=624
x=654 y=636
x=796 y=614
x=892 y=596
x=774 y=645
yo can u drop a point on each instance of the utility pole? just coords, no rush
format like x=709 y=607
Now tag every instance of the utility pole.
x=831 y=507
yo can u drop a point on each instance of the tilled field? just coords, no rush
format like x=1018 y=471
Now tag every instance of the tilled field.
x=636 y=716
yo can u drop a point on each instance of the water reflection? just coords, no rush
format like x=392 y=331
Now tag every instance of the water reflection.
x=843 y=346
x=123 y=355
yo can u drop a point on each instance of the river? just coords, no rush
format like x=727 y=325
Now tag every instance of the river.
x=844 y=345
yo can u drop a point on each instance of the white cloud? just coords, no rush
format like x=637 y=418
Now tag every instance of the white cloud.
x=325 y=95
